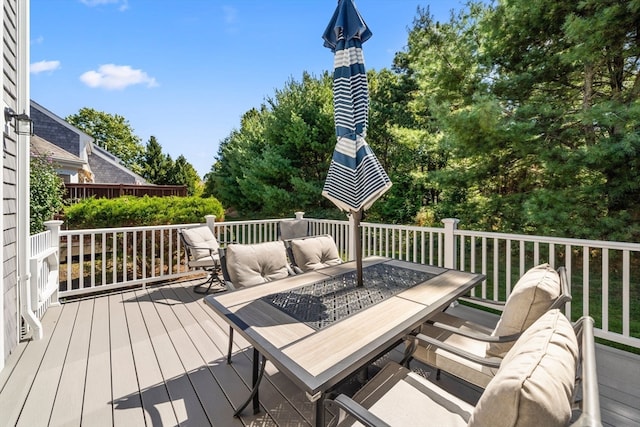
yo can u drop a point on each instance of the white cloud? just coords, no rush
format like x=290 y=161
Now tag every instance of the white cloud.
x=115 y=77
x=122 y=4
x=42 y=66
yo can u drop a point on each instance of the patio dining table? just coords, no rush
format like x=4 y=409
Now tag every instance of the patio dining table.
x=319 y=328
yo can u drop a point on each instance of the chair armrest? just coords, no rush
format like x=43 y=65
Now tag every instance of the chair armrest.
x=356 y=410
x=424 y=340
x=495 y=305
x=474 y=335
x=590 y=397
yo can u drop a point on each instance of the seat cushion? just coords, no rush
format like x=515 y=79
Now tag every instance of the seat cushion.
x=531 y=297
x=313 y=253
x=403 y=398
x=204 y=241
x=535 y=382
x=250 y=265
x=472 y=372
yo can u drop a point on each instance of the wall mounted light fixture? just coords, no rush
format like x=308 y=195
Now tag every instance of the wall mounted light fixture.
x=22 y=123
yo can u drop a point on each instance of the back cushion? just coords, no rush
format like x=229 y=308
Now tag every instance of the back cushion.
x=202 y=237
x=535 y=382
x=532 y=296
x=250 y=265
x=315 y=252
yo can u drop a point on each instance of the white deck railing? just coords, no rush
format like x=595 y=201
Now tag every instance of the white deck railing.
x=604 y=276
x=42 y=289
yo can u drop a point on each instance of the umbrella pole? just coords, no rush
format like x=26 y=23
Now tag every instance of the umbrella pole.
x=357 y=216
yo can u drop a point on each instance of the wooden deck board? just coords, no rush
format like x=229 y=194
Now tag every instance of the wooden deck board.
x=158 y=357
x=127 y=404
x=154 y=396
x=67 y=406
x=97 y=409
x=17 y=386
x=39 y=402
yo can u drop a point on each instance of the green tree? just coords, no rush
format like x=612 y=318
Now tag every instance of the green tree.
x=567 y=79
x=113 y=133
x=46 y=193
x=277 y=161
x=183 y=173
x=156 y=166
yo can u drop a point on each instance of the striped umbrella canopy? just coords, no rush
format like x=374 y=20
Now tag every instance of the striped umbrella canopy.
x=355 y=179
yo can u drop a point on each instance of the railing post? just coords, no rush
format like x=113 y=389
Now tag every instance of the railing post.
x=54 y=228
x=299 y=215
x=210 y=220
x=450 y=225
x=351 y=233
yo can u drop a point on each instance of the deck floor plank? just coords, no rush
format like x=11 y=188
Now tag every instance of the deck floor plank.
x=158 y=357
x=198 y=362
x=235 y=386
x=182 y=396
x=127 y=405
x=154 y=395
x=97 y=410
x=23 y=369
x=38 y=405
x=67 y=407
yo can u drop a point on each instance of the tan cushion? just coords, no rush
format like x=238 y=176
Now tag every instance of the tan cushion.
x=531 y=297
x=535 y=382
x=203 y=239
x=472 y=372
x=315 y=252
x=403 y=398
x=250 y=265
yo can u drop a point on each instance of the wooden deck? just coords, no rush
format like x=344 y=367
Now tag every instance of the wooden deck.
x=156 y=357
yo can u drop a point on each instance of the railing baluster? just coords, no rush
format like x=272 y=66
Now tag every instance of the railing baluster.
x=605 y=290
x=626 y=301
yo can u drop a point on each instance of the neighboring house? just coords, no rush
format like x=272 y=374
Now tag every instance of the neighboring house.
x=14 y=192
x=108 y=169
x=71 y=168
x=104 y=166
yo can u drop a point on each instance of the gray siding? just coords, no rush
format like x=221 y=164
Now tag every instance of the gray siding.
x=9 y=173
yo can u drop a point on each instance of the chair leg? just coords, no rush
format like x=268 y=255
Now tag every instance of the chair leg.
x=213 y=277
x=438 y=374
x=230 y=346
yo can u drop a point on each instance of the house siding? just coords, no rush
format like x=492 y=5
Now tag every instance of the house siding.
x=9 y=173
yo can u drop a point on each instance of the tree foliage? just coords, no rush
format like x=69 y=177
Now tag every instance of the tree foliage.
x=515 y=116
x=111 y=132
x=276 y=162
x=46 y=193
x=159 y=168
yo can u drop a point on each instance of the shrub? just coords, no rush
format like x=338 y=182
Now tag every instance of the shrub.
x=46 y=192
x=129 y=211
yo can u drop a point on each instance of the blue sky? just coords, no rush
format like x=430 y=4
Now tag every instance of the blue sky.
x=185 y=71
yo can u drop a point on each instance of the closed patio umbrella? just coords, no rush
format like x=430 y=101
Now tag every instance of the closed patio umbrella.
x=355 y=179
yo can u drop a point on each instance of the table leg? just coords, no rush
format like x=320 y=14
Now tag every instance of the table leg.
x=320 y=410
x=257 y=374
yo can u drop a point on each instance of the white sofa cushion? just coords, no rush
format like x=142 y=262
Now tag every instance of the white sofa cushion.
x=535 y=382
x=250 y=265
x=312 y=253
x=531 y=297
